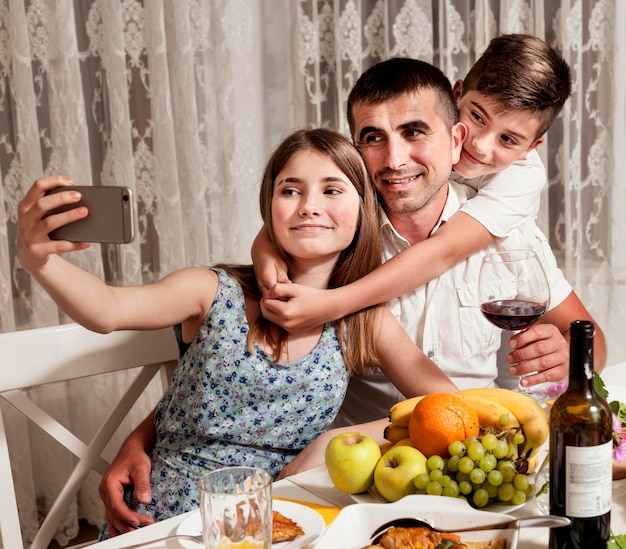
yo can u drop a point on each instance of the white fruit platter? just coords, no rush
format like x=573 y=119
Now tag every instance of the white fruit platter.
x=372 y=496
x=354 y=524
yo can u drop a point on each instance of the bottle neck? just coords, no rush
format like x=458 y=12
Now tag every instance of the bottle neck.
x=581 y=361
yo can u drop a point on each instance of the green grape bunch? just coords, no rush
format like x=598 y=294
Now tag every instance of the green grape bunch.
x=483 y=470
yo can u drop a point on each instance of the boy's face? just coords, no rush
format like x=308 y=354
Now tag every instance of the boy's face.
x=407 y=148
x=495 y=139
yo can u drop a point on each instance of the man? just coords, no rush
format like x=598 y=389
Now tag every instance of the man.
x=409 y=139
x=403 y=118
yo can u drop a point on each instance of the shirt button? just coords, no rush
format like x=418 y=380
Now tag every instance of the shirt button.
x=430 y=354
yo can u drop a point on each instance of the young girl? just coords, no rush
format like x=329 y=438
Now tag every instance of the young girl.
x=244 y=392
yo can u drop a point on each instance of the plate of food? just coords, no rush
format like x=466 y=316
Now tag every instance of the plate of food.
x=296 y=525
x=354 y=525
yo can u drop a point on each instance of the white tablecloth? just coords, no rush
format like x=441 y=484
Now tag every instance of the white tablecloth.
x=315 y=486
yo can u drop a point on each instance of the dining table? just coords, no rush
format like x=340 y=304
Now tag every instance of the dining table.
x=314 y=489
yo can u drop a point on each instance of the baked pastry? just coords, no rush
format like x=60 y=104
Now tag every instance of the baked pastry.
x=284 y=529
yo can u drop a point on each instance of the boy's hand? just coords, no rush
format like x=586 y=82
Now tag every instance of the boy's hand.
x=269 y=269
x=269 y=276
x=296 y=307
x=33 y=244
x=543 y=349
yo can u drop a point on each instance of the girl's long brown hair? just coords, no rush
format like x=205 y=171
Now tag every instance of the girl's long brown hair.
x=356 y=331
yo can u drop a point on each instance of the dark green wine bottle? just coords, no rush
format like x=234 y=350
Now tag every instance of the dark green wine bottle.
x=581 y=450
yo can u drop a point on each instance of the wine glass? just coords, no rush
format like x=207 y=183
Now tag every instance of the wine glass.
x=513 y=293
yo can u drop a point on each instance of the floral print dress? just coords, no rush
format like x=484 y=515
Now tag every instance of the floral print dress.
x=228 y=407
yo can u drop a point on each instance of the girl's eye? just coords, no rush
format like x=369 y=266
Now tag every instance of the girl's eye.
x=332 y=192
x=288 y=192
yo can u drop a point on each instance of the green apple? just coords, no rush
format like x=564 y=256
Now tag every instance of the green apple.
x=351 y=459
x=396 y=470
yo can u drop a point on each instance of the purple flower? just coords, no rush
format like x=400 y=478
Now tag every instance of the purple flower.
x=619 y=440
x=555 y=390
x=619 y=451
x=617 y=424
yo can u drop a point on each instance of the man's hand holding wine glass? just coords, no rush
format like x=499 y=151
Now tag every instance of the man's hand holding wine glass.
x=513 y=293
x=540 y=348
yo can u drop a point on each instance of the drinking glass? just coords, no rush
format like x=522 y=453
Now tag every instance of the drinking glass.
x=236 y=508
x=541 y=486
x=513 y=293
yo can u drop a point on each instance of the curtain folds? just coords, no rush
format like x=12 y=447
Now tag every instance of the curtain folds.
x=182 y=100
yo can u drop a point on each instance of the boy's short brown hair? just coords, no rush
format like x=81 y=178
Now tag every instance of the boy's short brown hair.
x=522 y=73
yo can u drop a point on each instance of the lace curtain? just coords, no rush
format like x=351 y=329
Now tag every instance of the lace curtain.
x=584 y=151
x=182 y=100
x=179 y=100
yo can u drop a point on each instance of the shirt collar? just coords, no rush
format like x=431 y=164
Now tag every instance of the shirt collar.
x=458 y=194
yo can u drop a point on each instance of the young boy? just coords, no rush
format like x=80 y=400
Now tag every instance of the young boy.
x=509 y=99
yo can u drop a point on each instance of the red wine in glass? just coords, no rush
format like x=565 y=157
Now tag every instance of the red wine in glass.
x=513 y=314
x=513 y=292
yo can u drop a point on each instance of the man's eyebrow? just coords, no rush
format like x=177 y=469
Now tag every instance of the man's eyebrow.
x=415 y=125
x=367 y=129
x=411 y=125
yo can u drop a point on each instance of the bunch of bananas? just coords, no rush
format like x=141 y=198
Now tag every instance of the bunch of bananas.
x=497 y=409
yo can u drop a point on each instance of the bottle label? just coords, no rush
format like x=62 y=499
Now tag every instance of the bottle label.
x=588 y=480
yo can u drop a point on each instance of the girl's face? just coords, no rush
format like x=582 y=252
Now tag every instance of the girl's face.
x=315 y=208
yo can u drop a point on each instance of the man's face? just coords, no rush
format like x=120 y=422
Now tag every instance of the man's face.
x=495 y=139
x=407 y=148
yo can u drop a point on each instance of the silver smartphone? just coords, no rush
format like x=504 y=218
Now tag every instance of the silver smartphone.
x=111 y=215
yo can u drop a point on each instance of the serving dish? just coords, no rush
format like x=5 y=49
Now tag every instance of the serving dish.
x=372 y=496
x=354 y=524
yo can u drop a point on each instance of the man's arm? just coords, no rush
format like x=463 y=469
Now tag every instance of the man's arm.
x=130 y=468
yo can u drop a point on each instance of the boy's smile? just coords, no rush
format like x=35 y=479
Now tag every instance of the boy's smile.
x=495 y=138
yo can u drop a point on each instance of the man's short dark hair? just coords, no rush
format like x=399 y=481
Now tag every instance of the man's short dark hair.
x=400 y=75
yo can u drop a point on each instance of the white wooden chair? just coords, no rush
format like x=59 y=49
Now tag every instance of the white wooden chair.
x=36 y=357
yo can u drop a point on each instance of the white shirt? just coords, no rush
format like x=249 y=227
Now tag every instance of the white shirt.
x=505 y=199
x=443 y=317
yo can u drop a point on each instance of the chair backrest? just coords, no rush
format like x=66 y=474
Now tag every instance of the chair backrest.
x=36 y=357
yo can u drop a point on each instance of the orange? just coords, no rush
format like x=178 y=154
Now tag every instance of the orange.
x=439 y=419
